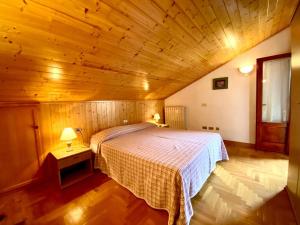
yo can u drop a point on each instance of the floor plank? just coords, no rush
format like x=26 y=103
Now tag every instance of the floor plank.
x=246 y=190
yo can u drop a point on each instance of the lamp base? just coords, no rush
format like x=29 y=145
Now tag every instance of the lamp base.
x=69 y=147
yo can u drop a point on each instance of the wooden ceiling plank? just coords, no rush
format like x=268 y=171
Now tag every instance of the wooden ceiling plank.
x=110 y=48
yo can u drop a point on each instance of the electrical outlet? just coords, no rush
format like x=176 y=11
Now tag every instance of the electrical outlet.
x=204 y=127
x=210 y=128
x=125 y=121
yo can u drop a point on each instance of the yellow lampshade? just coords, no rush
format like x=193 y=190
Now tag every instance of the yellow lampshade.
x=68 y=134
x=156 y=117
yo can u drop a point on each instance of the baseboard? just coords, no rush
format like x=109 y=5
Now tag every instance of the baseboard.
x=239 y=144
x=22 y=185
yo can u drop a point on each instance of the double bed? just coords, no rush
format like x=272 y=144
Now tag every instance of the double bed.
x=165 y=167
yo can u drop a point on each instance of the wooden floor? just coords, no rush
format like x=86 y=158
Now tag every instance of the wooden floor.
x=248 y=189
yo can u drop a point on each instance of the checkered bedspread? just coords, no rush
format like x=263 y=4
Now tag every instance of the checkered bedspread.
x=165 y=167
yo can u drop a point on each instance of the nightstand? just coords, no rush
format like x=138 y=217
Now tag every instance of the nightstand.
x=162 y=125
x=72 y=166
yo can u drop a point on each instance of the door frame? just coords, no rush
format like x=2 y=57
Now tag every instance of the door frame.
x=259 y=92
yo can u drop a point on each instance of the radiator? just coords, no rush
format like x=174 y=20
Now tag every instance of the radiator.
x=175 y=117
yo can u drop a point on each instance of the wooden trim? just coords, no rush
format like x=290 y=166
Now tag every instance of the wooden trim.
x=21 y=185
x=292 y=205
x=272 y=57
x=36 y=127
x=18 y=104
x=293 y=17
x=96 y=101
x=239 y=144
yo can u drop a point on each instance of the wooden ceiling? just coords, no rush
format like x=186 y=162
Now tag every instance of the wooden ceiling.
x=71 y=50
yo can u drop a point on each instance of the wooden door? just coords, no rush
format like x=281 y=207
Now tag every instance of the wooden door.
x=272 y=105
x=19 y=158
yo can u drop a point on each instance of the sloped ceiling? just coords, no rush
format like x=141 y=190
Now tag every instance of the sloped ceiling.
x=66 y=50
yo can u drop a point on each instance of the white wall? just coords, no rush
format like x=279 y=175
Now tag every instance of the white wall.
x=232 y=110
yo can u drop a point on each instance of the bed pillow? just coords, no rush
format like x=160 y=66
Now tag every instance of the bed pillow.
x=107 y=134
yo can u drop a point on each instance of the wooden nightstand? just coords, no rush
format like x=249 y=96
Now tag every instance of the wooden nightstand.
x=162 y=125
x=72 y=166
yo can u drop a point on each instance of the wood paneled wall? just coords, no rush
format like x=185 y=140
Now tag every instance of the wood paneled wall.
x=294 y=162
x=28 y=132
x=91 y=117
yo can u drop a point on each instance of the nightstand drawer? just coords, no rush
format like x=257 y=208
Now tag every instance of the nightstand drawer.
x=62 y=163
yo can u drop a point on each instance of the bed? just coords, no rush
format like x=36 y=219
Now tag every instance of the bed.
x=165 y=167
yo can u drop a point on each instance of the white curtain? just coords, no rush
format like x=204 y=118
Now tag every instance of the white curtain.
x=276 y=90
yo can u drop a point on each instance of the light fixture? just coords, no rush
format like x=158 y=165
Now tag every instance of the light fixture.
x=55 y=71
x=68 y=135
x=230 y=41
x=146 y=86
x=156 y=117
x=246 y=69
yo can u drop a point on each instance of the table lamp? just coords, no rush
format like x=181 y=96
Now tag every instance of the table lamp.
x=68 y=135
x=156 y=117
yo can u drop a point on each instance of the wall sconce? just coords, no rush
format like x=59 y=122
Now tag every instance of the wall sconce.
x=246 y=69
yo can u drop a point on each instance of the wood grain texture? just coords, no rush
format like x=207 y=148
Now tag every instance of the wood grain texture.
x=294 y=163
x=91 y=117
x=54 y=50
x=232 y=196
x=29 y=132
x=19 y=149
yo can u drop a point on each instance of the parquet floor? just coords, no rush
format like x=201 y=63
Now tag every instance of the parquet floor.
x=247 y=190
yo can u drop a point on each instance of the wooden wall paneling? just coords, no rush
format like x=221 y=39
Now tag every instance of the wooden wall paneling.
x=141 y=110
x=46 y=126
x=294 y=141
x=124 y=49
x=91 y=117
x=94 y=121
